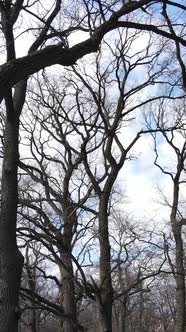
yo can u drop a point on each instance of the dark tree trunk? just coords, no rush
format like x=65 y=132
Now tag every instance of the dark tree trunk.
x=180 y=282
x=68 y=294
x=19 y=69
x=105 y=269
x=68 y=300
x=11 y=260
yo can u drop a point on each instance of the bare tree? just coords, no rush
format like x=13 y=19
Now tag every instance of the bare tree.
x=57 y=200
x=138 y=261
x=11 y=260
x=114 y=153
x=92 y=118
x=96 y=20
x=31 y=317
x=36 y=285
x=175 y=140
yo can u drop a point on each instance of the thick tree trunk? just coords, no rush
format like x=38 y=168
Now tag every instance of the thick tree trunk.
x=68 y=300
x=11 y=260
x=105 y=270
x=68 y=294
x=180 y=282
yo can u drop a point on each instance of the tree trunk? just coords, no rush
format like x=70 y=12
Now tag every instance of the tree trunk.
x=68 y=300
x=68 y=293
x=123 y=317
x=31 y=277
x=123 y=304
x=11 y=260
x=123 y=314
x=105 y=269
x=141 y=309
x=180 y=282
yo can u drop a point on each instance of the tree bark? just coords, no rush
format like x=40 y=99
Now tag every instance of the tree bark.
x=31 y=279
x=67 y=294
x=105 y=269
x=11 y=260
x=180 y=282
x=68 y=300
x=123 y=314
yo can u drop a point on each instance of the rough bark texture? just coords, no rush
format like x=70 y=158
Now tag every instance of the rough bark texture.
x=105 y=269
x=67 y=274
x=11 y=260
x=67 y=294
x=180 y=282
x=179 y=259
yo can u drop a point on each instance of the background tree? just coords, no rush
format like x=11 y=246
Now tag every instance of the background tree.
x=175 y=140
x=65 y=129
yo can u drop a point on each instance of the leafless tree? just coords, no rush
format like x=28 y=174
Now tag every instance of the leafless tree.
x=51 y=203
x=38 y=292
x=69 y=128
x=175 y=169
x=49 y=46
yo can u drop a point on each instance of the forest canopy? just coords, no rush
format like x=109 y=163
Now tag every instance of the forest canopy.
x=85 y=86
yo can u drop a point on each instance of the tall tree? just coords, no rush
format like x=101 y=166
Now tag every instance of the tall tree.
x=96 y=19
x=52 y=122
x=175 y=139
x=11 y=260
x=83 y=111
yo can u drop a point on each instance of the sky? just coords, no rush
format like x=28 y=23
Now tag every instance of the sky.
x=139 y=179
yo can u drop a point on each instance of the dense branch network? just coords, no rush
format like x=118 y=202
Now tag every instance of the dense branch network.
x=21 y=68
